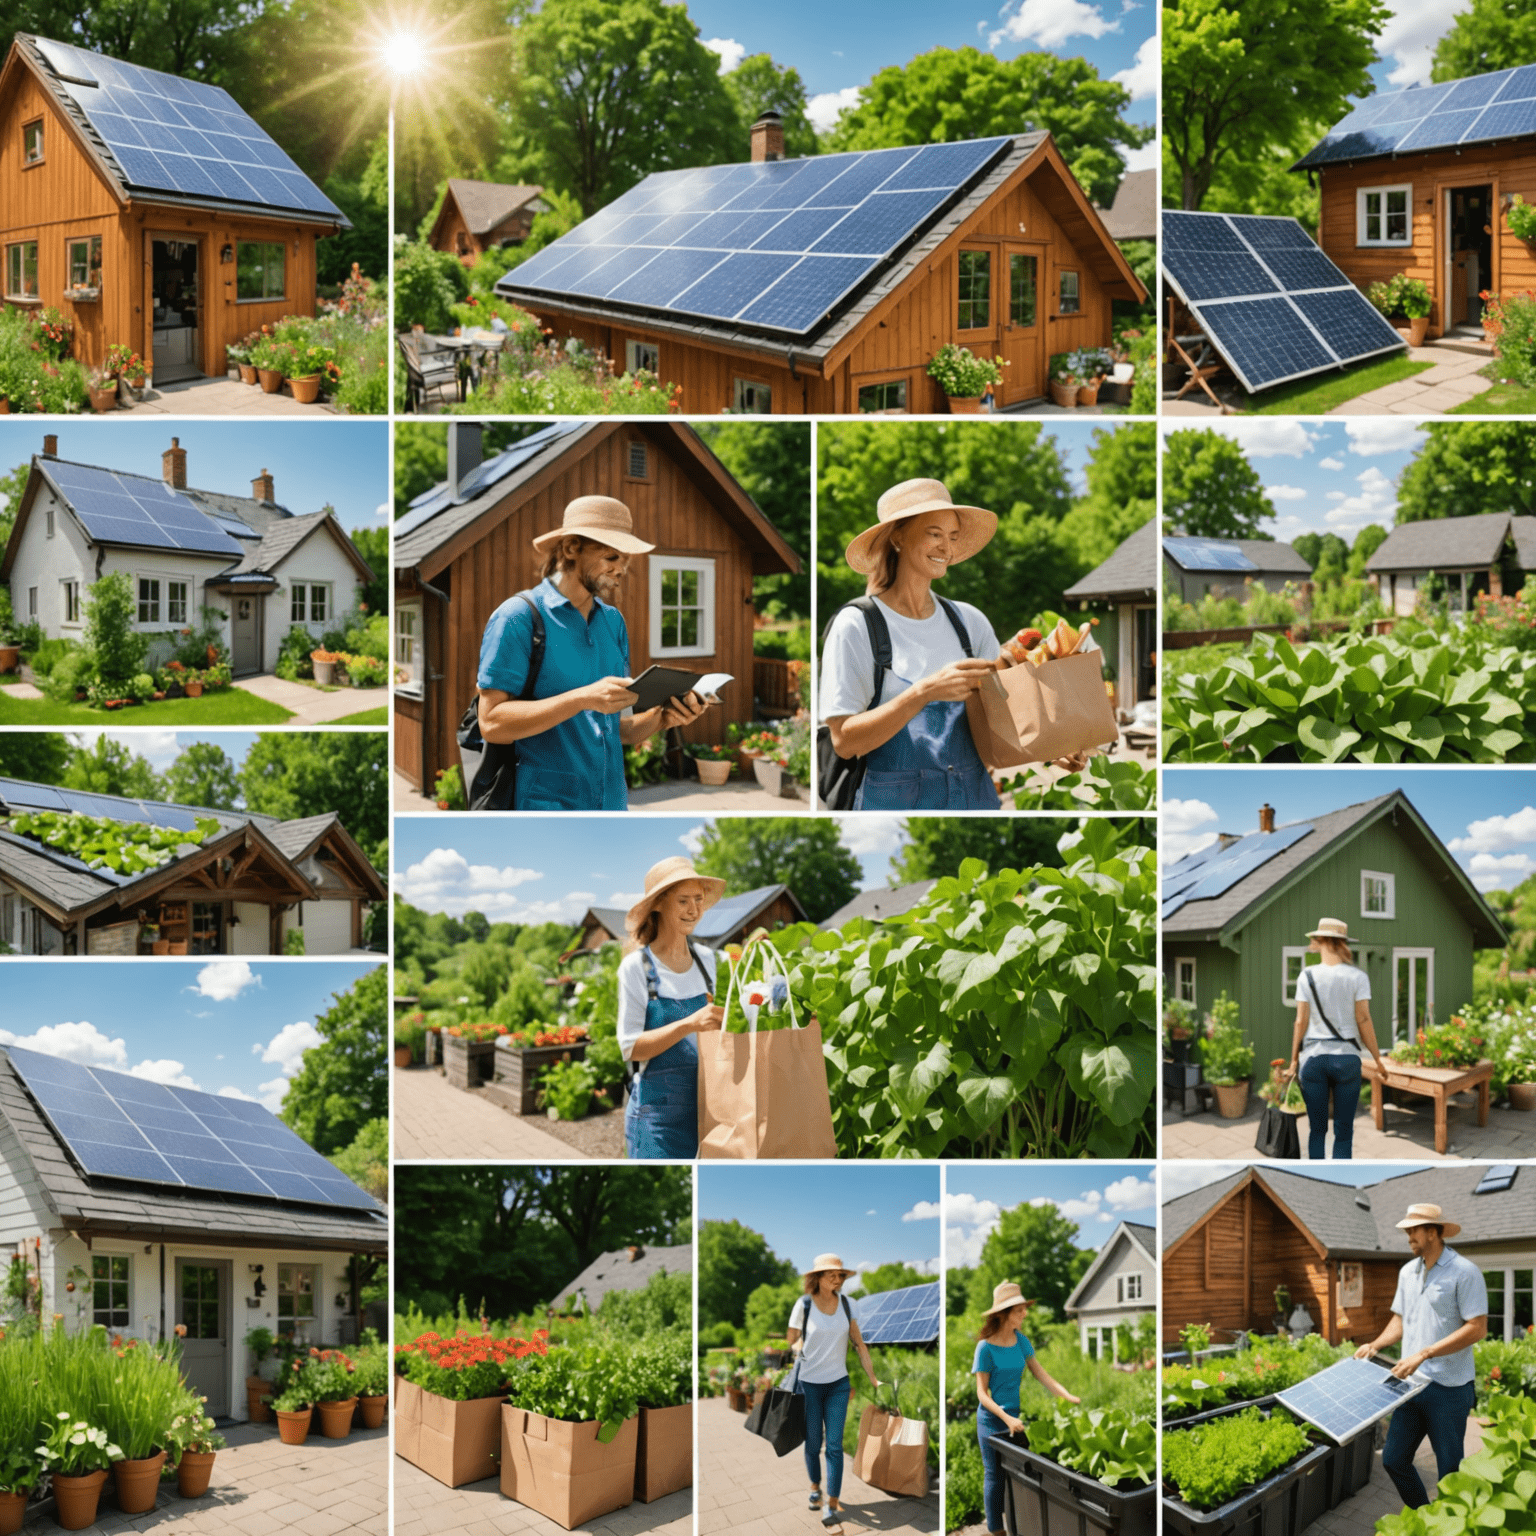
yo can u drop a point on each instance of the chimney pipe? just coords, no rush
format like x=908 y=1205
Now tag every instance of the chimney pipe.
x=173 y=465
x=767 y=138
x=263 y=487
x=1266 y=818
x=50 y=445
x=466 y=450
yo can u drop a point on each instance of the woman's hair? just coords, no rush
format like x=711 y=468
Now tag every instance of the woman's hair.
x=812 y=1282
x=560 y=556
x=1340 y=947
x=992 y=1323
x=644 y=932
x=886 y=557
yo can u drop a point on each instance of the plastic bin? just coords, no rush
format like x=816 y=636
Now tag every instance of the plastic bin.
x=1044 y=1498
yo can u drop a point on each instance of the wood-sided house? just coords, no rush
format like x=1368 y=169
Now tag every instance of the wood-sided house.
x=1486 y=552
x=1235 y=918
x=1421 y=180
x=1228 y=1247
x=826 y=285
x=1120 y=1286
x=465 y=546
x=1126 y=584
x=158 y=1243
x=249 y=883
x=478 y=216
x=151 y=210
x=729 y=921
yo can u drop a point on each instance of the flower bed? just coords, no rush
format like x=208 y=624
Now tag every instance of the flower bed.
x=36 y=370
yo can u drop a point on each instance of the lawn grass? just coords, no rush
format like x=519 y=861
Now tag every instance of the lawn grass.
x=1502 y=400
x=228 y=706
x=379 y=716
x=1199 y=660
x=1317 y=395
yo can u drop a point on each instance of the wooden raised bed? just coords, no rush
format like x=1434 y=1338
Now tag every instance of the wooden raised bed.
x=518 y=1071
x=468 y=1063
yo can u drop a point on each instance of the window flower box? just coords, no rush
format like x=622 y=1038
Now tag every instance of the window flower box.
x=562 y=1470
x=518 y=1070
x=455 y=1442
x=83 y=295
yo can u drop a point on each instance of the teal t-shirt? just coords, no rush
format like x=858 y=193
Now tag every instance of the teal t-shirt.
x=1004 y=1368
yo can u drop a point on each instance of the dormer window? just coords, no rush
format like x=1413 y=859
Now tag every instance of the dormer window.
x=32 y=142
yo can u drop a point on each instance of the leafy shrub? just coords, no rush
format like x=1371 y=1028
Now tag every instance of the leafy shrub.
x=35 y=373
x=581 y=1383
x=1144 y=386
x=1103 y=785
x=556 y=383
x=72 y=670
x=1109 y=1444
x=1521 y=218
x=1225 y=1055
x=1514 y=341
x=366 y=671
x=565 y=1090
x=1212 y=1463
x=293 y=941
x=293 y=656
x=118 y=647
x=964 y=1475
x=961 y=374
x=427 y=284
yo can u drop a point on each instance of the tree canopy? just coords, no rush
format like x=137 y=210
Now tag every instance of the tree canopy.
x=1210 y=490
x=1036 y=1247
x=733 y=1262
x=805 y=853
x=890 y=1277
x=38 y=756
x=343 y=1083
x=759 y=85
x=291 y=774
x=203 y=774
x=937 y=845
x=1467 y=467
x=1487 y=35
x=110 y=767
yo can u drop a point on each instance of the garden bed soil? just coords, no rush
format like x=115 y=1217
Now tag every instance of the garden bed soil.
x=454 y=1442
x=562 y=1470
x=664 y=1452
x=600 y=1136
x=1047 y=1499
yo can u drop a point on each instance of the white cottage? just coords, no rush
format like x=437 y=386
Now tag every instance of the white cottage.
x=1120 y=1286
x=248 y=557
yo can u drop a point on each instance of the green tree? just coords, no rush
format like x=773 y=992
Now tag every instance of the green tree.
x=203 y=774
x=1122 y=492
x=957 y=1286
x=769 y=1308
x=804 y=853
x=484 y=972
x=111 y=768
x=1332 y=557
x=947 y=94
x=1367 y=542
x=937 y=845
x=890 y=1277
x=289 y=774
x=110 y=610
x=37 y=756
x=758 y=85
x=1222 y=60
x=733 y=1261
x=343 y=1084
x=373 y=545
x=365 y=1159
x=1210 y=490
x=1262 y=182
x=1309 y=546
x=1036 y=1247
x=1467 y=467
x=1488 y=35
x=11 y=485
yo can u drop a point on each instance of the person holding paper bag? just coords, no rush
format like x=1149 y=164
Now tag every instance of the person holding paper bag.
x=572 y=732
x=666 y=997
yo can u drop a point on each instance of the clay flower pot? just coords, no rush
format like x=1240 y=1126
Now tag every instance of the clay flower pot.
x=247 y=373
x=160 y=946
x=373 y=1410
x=137 y=1482
x=402 y=1055
x=5 y=405
x=306 y=390
x=964 y=405
x=271 y=380
x=1231 y=1100
x=193 y=1473
x=194 y=690
x=1418 y=329
x=1064 y=395
x=104 y=399
x=1088 y=394
x=75 y=1499
x=10 y=657
x=745 y=759
x=712 y=771
x=1522 y=1096
x=13 y=1509
x=336 y=1418
x=293 y=1428
x=255 y=1392
x=325 y=673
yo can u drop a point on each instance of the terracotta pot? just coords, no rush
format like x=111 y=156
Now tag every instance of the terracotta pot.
x=336 y=1418
x=194 y=690
x=1522 y=1096
x=712 y=771
x=1231 y=1102
x=1088 y=394
x=306 y=390
x=964 y=405
x=373 y=1410
x=5 y=406
x=104 y=399
x=271 y=380
x=137 y=1482
x=178 y=946
x=10 y=657
x=159 y=946
x=744 y=761
x=402 y=1056
x=1064 y=395
x=1418 y=329
x=293 y=1428
x=255 y=1390
x=13 y=1509
x=75 y=1499
x=247 y=373
x=193 y=1473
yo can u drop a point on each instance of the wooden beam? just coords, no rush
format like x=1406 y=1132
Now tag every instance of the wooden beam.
x=1248 y=1252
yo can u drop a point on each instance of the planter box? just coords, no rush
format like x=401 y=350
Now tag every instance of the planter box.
x=664 y=1452
x=456 y=1443
x=1045 y=1498
x=562 y=1470
x=468 y=1062
x=518 y=1071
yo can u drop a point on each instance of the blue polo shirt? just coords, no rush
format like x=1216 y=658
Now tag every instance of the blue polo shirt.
x=1434 y=1304
x=579 y=765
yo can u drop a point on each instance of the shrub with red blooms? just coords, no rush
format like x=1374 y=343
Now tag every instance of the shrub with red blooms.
x=467 y=1365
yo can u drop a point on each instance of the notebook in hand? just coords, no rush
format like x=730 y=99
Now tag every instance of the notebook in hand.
x=656 y=685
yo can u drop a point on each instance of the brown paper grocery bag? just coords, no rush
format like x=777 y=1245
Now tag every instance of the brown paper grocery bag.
x=1030 y=714
x=892 y=1453
x=561 y=1469
x=764 y=1094
x=871 y=1451
x=664 y=1454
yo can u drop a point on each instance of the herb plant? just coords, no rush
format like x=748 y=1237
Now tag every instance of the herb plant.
x=1210 y=1464
x=127 y=847
x=661 y=1370
x=565 y=1089
x=1109 y=1444
x=580 y=1383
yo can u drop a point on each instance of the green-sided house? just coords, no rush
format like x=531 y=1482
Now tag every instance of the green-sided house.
x=1236 y=916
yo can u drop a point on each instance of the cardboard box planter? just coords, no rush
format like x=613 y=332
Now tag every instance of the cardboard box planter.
x=454 y=1442
x=562 y=1470
x=664 y=1456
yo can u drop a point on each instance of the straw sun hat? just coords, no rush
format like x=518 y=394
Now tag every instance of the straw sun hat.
x=911 y=498
x=826 y=1263
x=601 y=519
x=1331 y=928
x=662 y=877
x=1005 y=1298
x=1424 y=1214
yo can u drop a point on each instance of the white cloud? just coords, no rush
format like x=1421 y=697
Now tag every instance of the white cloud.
x=285 y=1050
x=1179 y=1178
x=1049 y=23
x=968 y=1222
x=693 y=840
x=225 y=980
x=82 y=1043
x=1374 y=502
x=625 y=899
x=1495 y=871
x=1331 y=464
x=1370 y=436
x=825 y=108
x=924 y=1210
x=871 y=1213
x=1181 y=824
x=270 y=1094
x=230 y=1092
x=731 y=52
x=172 y=1073
x=382 y=510
x=1494 y=833
x=1281 y=438
x=1141 y=79
x=1410 y=36
x=927 y=1266
x=1147 y=158
x=872 y=834
x=1081 y=1210
x=1285 y=493
x=1130 y=1193
x=445 y=881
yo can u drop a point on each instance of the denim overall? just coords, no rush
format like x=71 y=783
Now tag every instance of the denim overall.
x=662 y=1116
x=931 y=764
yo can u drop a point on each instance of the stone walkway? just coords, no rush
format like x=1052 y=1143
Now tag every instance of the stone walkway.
x=747 y=1490
x=262 y=1487
x=423 y=1507
x=313 y=706
x=432 y=1119
x=223 y=397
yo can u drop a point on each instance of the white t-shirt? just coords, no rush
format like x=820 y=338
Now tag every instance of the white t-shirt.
x=824 y=1340
x=1339 y=987
x=919 y=648
x=633 y=995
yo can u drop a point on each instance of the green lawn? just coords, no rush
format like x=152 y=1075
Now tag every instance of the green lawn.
x=1319 y=394
x=1199 y=660
x=1502 y=400
x=228 y=706
x=379 y=716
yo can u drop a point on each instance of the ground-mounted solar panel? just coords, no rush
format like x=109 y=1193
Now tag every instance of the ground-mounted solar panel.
x=908 y=1316
x=129 y=509
x=773 y=247
x=119 y=1126
x=1349 y=1396
x=1215 y=870
x=1196 y=554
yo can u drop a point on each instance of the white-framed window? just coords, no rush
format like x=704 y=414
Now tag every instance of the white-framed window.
x=109 y=1290
x=295 y=1298
x=175 y=602
x=1413 y=992
x=408 y=644
x=637 y=459
x=32 y=142
x=642 y=354
x=1184 y=979
x=1293 y=961
x=49 y=521
x=149 y=599
x=1378 y=893
x=71 y=602
x=751 y=397
x=682 y=605
x=1128 y=1288
x=83 y=262
x=310 y=602
x=1383 y=215
x=21 y=270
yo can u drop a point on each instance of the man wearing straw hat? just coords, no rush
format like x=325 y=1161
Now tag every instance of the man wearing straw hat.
x=572 y=732
x=1440 y=1311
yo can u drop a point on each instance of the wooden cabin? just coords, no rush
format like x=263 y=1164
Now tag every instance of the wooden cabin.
x=1016 y=263
x=478 y=216
x=1336 y=1248
x=1420 y=181
x=466 y=546
x=176 y=251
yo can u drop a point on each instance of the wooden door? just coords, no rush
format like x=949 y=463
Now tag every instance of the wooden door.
x=203 y=1309
x=1023 y=348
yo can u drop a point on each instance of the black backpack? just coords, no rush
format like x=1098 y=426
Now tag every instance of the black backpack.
x=839 y=778
x=490 y=767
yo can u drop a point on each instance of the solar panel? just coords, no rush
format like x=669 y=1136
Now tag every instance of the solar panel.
x=1497 y=1179
x=173 y=135
x=119 y=1126
x=1477 y=110
x=1349 y=1396
x=1208 y=555
x=128 y=509
x=909 y=1316
x=1214 y=871
x=774 y=246
x=20 y=795
x=1274 y=305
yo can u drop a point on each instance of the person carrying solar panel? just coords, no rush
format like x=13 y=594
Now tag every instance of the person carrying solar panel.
x=576 y=719
x=1333 y=1027
x=1003 y=1352
x=1439 y=1313
x=908 y=724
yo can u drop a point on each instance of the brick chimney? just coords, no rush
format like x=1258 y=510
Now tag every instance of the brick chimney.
x=173 y=465
x=50 y=445
x=634 y=1254
x=466 y=450
x=262 y=487
x=768 y=138
x=1266 y=818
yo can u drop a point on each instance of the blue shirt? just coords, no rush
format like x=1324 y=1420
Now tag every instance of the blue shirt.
x=1004 y=1368
x=579 y=764
x=1435 y=1304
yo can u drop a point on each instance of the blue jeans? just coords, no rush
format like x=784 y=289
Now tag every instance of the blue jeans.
x=993 y=1477
x=1439 y=1412
x=826 y=1404
x=1339 y=1072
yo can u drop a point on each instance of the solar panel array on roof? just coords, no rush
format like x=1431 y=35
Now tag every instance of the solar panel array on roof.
x=173 y=135
x=19 y=795
x=124 y=1127
x=1208 y=555
x=1215 y=870
x=128 y=509
x=774 y=246
x=1347 y=1397
x=909 y=1316
x=721 y=918
x=1274 y=305
x=1500 y=105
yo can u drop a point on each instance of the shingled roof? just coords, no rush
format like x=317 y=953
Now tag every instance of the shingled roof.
x=1271 y=555
x=283 y=537
x=627 y=1269
x=1129 y=573
x=485 y=204
x=1132 y=215
x=880 y=902
x=1455 y=543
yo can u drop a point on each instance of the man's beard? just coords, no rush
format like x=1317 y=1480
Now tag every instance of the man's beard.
x=601 y=584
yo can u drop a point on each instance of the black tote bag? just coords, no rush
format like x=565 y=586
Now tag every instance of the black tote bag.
x=779 y=1417
x=1278 y=1135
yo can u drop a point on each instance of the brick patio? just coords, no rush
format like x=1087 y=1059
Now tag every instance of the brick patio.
x=424 y=1506
x=1358 y=1516
x=433 y=1119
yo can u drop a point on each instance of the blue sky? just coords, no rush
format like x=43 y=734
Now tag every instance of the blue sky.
x=1485 y=816
x=867 y=1213
x=224 y=1026
x=1096 y=1197
x=345 y=463
x=1180 y=1178
x=837 y=48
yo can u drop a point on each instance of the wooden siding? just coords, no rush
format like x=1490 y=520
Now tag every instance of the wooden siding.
x=452 y=234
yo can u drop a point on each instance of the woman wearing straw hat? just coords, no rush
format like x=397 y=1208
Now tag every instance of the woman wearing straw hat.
x=821 y=1327
x=1333 y=1026
x=1002 y=1353
x=571 y=733
x=909 y=724
x=666 y=987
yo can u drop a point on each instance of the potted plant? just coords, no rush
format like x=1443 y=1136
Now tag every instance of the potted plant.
x=964 y=377
x=130 y=371
x=370 y=1378
x=102 y=387
x=335 y=1393
x=269 y=357
x=1520 y=216
x=1227 y=1059
x=260 y=1342
x=192 y=683
x=714 y=762
x=325 y=666
x=664 y=1444
x=1520 y=1072
x=20 y=1473
x=294 y=1404
x=78 y=1455
x=1089 y=365
x=1064 y=382
x=1415 y=302
x=309 y=364
x=241 y=354
x=193 y=1443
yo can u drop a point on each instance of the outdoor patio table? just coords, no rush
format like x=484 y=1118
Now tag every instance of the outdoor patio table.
x=475 y=345
x=1437 y=1083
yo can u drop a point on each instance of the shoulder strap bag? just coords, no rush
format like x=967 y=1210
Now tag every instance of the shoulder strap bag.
x=1317 y=1003
x=490 y=767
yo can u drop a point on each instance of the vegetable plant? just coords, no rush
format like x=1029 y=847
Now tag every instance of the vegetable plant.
x=961 y=374
x=128 y=847
x=592 y=1381
x=1103 y=786
x=1225 y=1055
x=661 y=1370
x=1210 y=1464
x=566 y=1089
x=1109 y=1444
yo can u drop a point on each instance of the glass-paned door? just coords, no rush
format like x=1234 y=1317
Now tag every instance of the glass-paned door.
x=1413 y=992
x=203 y=1308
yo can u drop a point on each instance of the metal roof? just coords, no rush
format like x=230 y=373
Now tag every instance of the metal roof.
x=1444 y=543
x=1129 y=573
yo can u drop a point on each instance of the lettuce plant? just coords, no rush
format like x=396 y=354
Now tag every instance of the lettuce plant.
x=1211 y=1463
x=1109 y=1444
